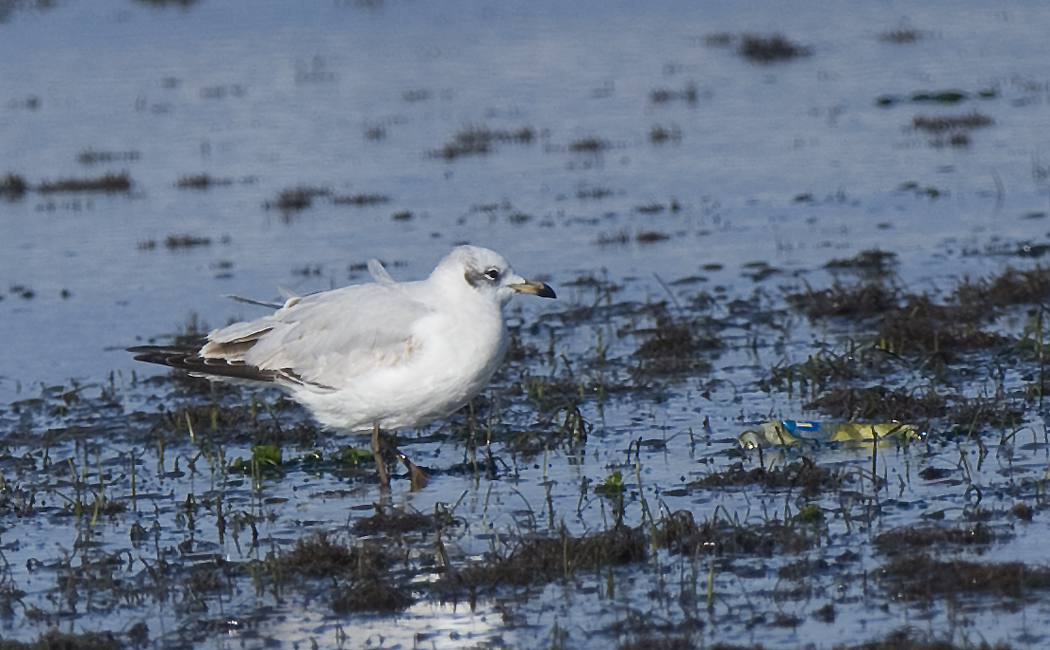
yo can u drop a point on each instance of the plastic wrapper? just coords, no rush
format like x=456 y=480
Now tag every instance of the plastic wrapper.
x=795 y=432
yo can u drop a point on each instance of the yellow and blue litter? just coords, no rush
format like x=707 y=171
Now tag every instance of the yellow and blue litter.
x=794 y=432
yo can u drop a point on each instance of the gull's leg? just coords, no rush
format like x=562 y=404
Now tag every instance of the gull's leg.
x=377 y=453
x=418 y=479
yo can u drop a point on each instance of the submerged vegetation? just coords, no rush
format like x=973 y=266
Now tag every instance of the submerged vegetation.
x=110 y=183
x=479 y=140
x=14 y=186
x=900 y=357
x=897 y=333
x=599 y=493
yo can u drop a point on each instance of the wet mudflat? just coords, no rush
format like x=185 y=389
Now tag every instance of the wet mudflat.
x=838 y=218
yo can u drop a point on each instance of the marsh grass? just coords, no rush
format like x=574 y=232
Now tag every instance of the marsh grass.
x=805 y=475
x=546 y=558
x=204 y=531
x=921 y=577
x=769 y=49
x=296 y=199
x=896 y=334
x=919 y=537
x=680 y=534
x=110 y=183
x=479 y=140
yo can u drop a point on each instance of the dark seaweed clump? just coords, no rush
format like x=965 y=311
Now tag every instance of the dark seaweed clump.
x=943 y=123
x=589 y=144
x=901 y=35
x=689 y=95
x=296 y=199
x=923 y=405
x=546 y=558
x=916 y=324
x=770 y=49
x=362 y=573
x=108 y=183
x=893 y=330
x=857 y=301
x=13 y=187
x=872 y=263
x=674 y=347
x=479 y=140
x=811 y=478
x=395 y=521
x=201 y=182
x=907 y=538
x=920 y=577
x=951 y=130
x=679 y=533
x=361 y=200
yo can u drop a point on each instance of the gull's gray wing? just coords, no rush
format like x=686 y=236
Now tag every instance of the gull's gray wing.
x=325 y=339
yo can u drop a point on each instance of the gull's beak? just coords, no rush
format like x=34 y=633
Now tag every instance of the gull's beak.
x=535 y=288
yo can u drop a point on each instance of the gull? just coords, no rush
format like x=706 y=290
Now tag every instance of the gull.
x=369 y=357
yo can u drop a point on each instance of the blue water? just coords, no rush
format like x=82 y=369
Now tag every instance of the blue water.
x=270 y=96
x=791 y=164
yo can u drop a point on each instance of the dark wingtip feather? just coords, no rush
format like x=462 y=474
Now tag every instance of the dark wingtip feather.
x=165 y=355
x=188 y=358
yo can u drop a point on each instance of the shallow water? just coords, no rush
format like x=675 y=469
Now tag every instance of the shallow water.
x=790 y=164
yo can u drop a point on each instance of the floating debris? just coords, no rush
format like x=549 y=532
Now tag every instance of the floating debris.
x=22 y=291
x=296 y=199
x=478 y=140
x=594 y=193
x=719 y=39
x=951 y=130
x=201 y=182
x=361 y=200
x=770 y=49
x=794 y=432
x=109 y=183
x=590 y=144
x=944 y=123
x=872 y=263
x=650 y=237
x=946 y=97
x=689 y=94
x=173 y=242
x=169 y=3
x=661 y=135
x=902 y=35
x=314 y=72
x=650 y=208
x=929 y=192
x=417 y=95
x=13 y=187
x=223 y=91
x=90 y=157
x=618 y=238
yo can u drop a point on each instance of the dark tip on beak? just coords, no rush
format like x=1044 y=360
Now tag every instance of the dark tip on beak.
x=535 y=288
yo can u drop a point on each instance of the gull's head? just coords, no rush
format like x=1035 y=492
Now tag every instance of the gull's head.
x=488 y=274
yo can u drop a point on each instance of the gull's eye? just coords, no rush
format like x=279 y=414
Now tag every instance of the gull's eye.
x=492 y=274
